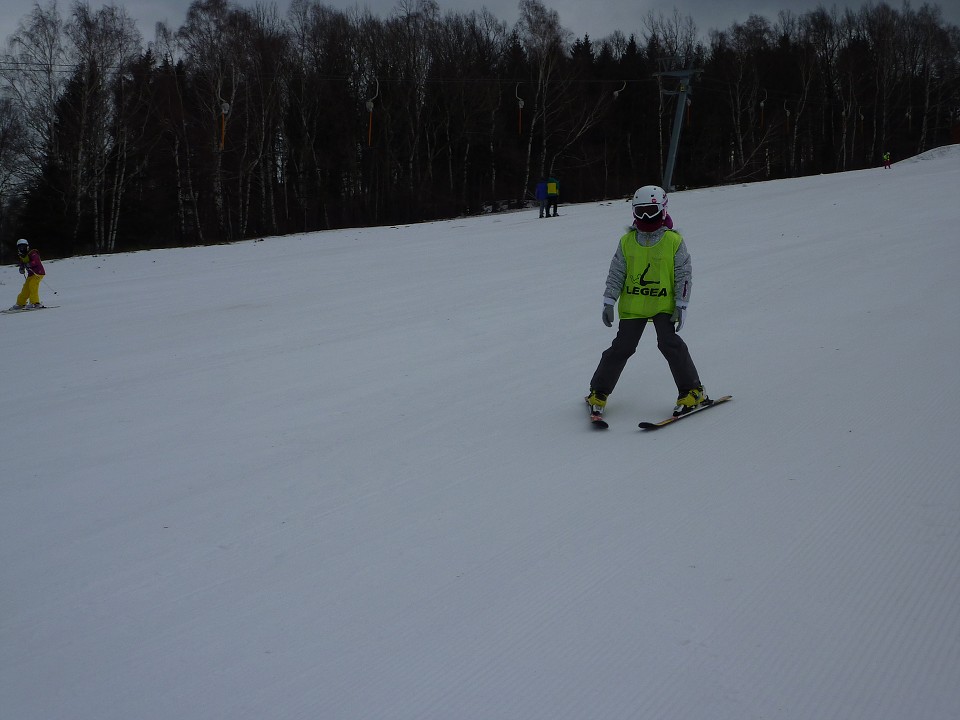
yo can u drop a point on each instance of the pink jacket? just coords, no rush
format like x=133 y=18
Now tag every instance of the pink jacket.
x=31 y=263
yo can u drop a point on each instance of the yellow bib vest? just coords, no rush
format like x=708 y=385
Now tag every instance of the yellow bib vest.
x=648 y=288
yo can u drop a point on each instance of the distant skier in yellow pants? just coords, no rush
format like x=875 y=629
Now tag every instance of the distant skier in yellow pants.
x=32 y=269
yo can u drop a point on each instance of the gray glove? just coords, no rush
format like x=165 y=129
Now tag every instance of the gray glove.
x=679 y=315
x=608 y=315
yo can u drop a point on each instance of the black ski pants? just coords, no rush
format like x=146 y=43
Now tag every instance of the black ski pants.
x=671 y=345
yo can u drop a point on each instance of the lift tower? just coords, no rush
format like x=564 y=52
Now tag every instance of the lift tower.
x=683 y=92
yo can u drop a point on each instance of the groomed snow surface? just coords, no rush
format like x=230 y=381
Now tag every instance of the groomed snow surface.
x=349 y=475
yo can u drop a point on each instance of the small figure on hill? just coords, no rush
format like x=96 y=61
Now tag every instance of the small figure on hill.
x=32 y=270
x=541 y=195
x=650 y=279
x=553 y=195
x=886 y=160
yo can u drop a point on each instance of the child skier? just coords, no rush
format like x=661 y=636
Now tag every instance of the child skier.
x=32 y=270
x=650 y=278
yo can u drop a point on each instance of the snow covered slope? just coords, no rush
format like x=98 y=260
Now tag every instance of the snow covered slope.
x=348 y=475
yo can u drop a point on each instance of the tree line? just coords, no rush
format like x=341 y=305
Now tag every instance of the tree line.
x=244 y=123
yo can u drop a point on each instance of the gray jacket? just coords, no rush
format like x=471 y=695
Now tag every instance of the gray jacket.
x=682 y=268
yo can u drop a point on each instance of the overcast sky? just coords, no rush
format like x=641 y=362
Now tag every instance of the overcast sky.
x=598 y=19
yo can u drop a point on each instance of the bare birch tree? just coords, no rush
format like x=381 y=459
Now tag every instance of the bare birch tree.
x=205 y=44
x=545 y=43
x=104 y=44
x=33 y=76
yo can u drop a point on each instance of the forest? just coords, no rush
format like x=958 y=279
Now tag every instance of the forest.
x=244 y=123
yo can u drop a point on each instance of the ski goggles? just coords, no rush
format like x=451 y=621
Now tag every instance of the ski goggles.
x=646 y=212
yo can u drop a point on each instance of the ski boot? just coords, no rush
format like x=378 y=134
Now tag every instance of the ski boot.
x=597 y=402
x=691 y=400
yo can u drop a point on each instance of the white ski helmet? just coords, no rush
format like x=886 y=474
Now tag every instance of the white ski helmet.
x=649 y=202
x=22 y=246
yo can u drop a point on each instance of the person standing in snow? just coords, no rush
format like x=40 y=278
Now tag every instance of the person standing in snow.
x=32 y=270
x=541 y=195
x=886 y=160
x=650 y=279
x=553 y=195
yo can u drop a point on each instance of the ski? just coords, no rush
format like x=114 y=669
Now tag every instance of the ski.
x=12 y=311
x=673 y=418
x=596 y=418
